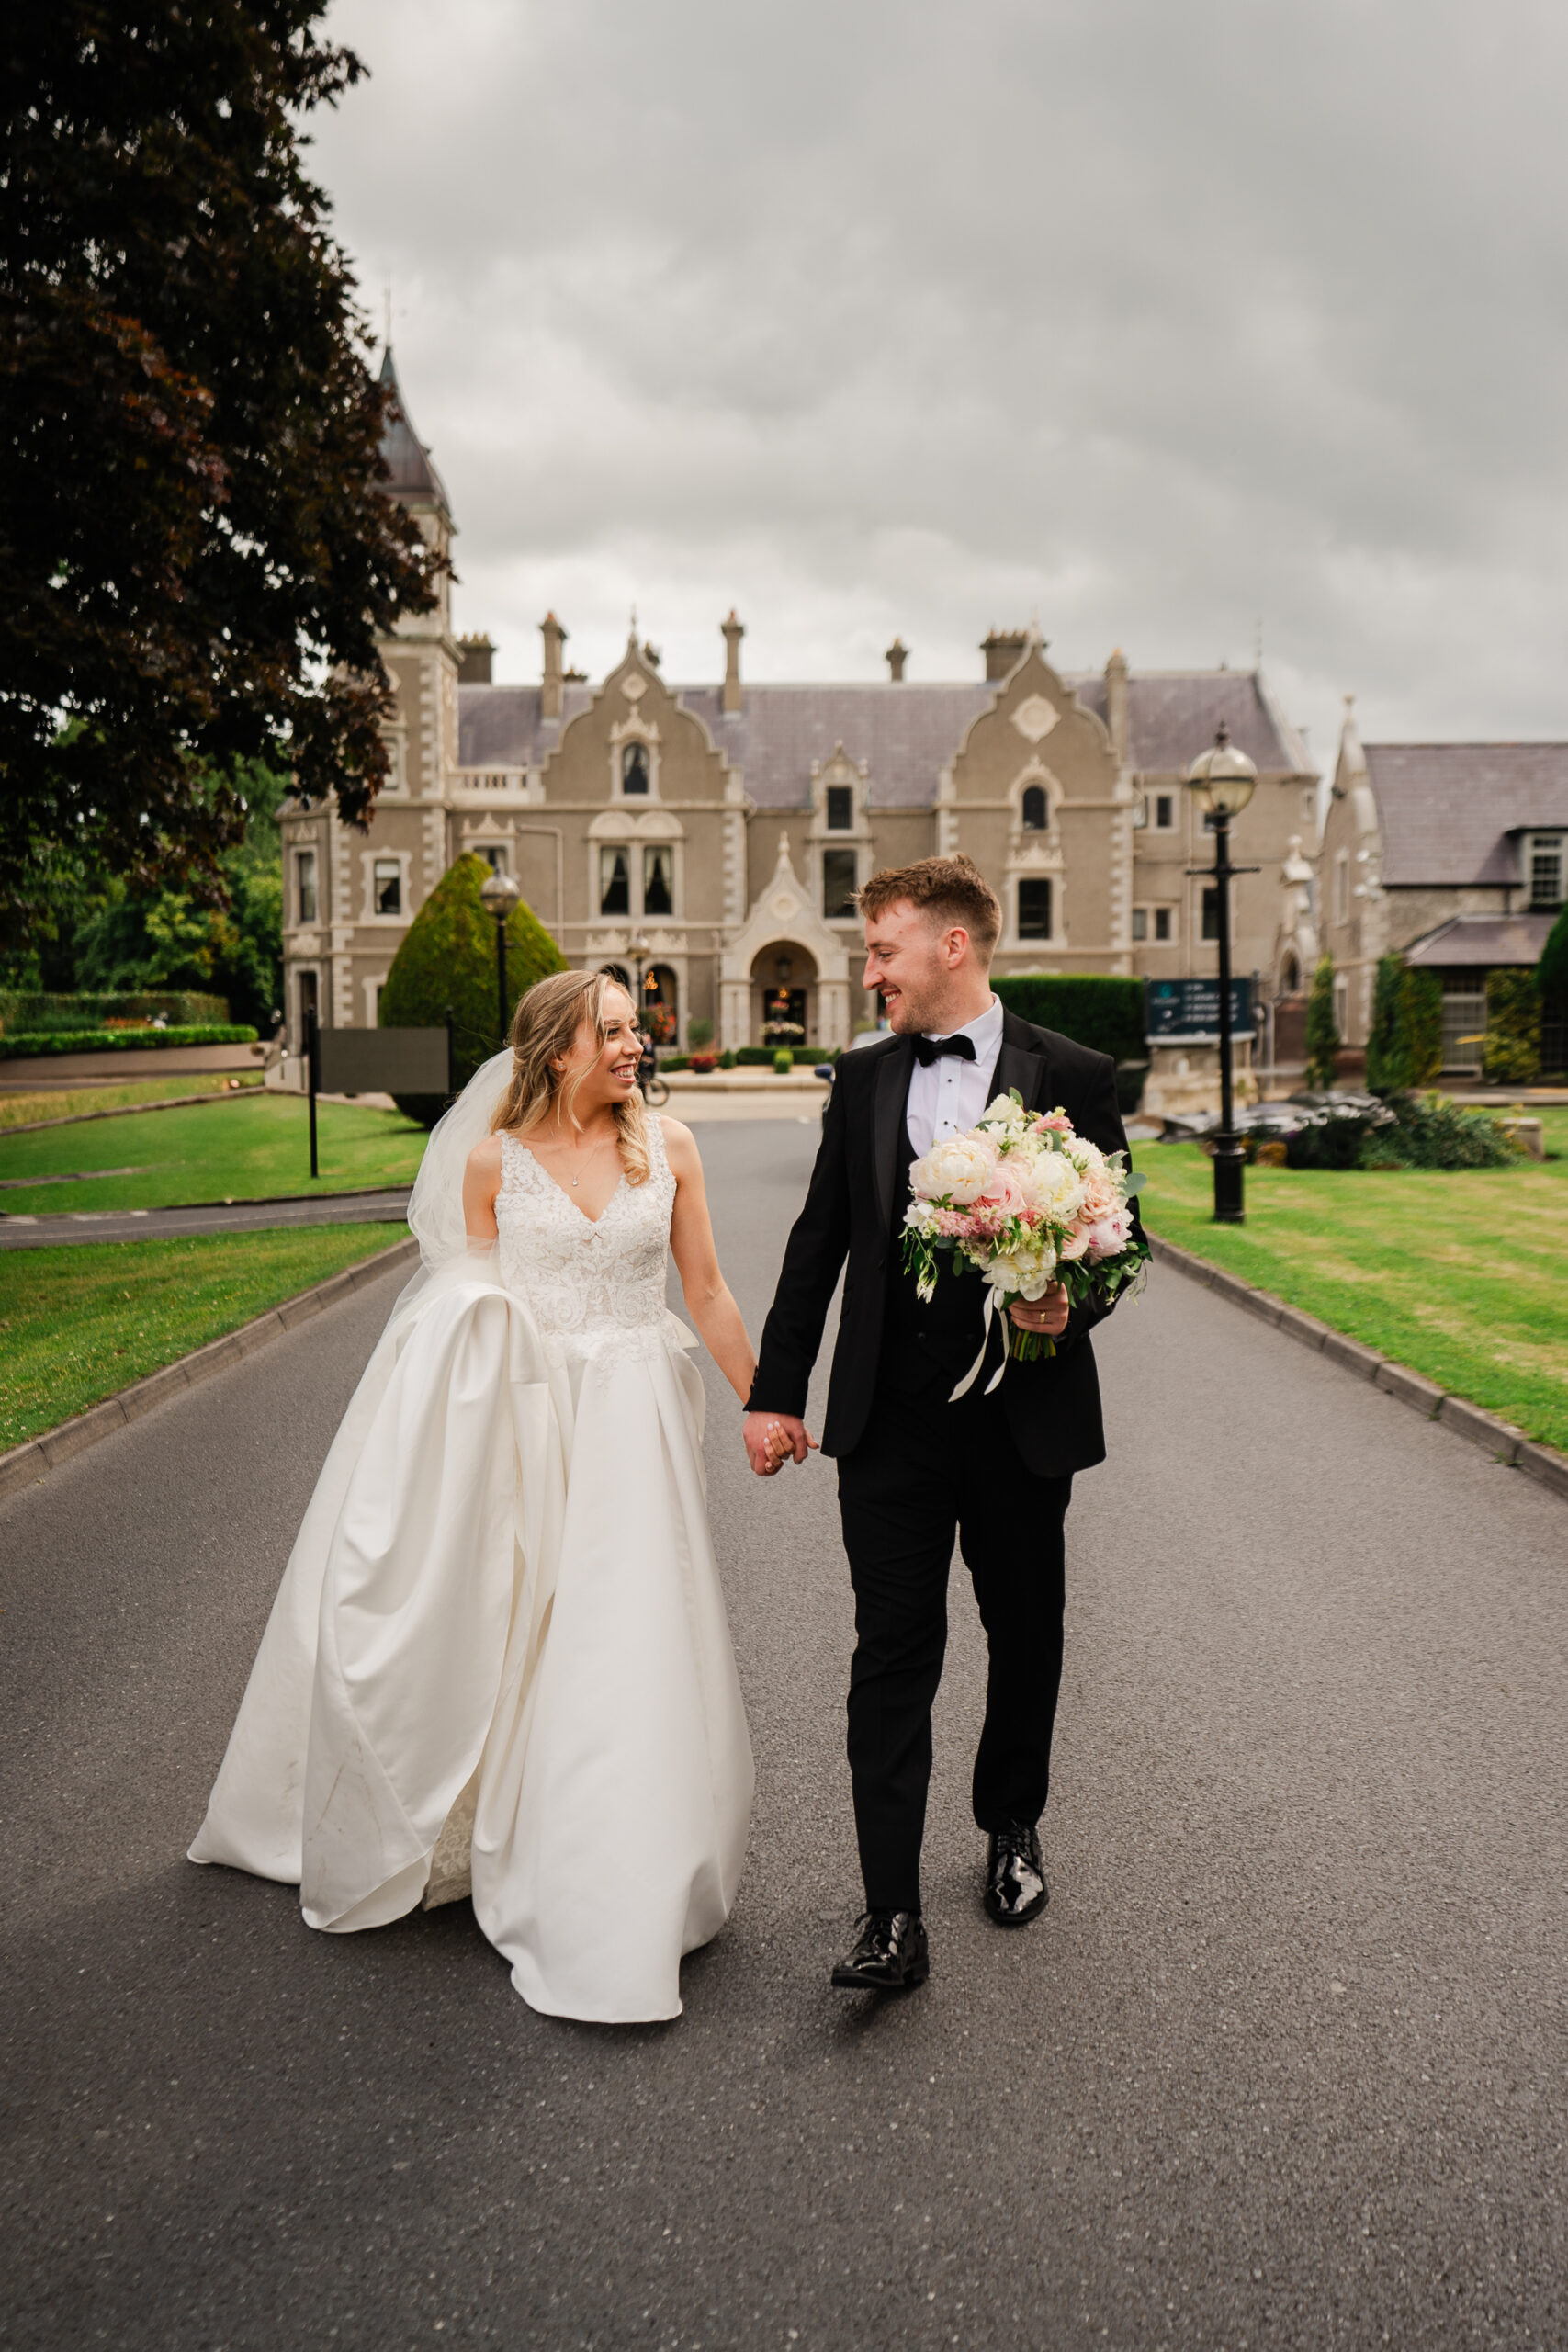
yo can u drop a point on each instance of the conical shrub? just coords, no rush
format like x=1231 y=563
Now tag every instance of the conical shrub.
x=448 y=960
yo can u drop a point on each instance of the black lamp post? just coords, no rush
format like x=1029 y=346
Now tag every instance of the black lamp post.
x=1222 y=781
x=498 y=896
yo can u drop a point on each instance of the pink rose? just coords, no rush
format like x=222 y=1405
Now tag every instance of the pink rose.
x=1004 y=1194
x=1109 y=1236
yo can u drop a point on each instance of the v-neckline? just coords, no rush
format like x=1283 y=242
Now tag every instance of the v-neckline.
x=561 y=1189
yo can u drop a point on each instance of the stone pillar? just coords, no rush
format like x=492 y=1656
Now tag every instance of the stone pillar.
x=554 y=636
x=833 y=1013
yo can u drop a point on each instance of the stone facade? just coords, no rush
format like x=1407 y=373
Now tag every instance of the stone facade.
x=716 y=833
x=1454 y=853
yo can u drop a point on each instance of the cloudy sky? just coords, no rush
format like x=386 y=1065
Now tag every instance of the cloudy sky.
x=1172 y=323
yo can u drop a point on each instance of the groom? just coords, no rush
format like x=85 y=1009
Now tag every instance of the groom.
x=914 y=1468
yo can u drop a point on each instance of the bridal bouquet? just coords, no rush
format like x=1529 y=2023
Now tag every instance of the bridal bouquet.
x=1027 y=1202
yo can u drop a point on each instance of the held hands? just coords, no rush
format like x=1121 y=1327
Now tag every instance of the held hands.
x=774 y=1438
x=1048 y=1314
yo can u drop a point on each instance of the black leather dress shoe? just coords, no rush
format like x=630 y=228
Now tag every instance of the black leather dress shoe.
x=891 y=1956
x=1016 y=1891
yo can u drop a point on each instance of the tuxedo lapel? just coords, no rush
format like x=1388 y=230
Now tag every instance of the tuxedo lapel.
x=887 y=1120
x=1022 y=1064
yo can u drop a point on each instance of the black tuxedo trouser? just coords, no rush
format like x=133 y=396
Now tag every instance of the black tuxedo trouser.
x=924 y=1471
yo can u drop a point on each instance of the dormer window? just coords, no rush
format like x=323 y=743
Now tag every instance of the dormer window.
x=635 y=770
x=840 y=808
x=1546 y=855
x=1035 y=810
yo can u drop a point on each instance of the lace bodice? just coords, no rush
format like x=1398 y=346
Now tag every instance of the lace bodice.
x=578 y=1277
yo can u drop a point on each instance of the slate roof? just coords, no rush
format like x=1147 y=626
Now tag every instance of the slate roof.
x=906 y=733
x=1445 y=811
x=409 y=463
x=1484 y=939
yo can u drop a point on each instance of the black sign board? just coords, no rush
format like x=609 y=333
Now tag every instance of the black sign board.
x=382 y=1061
x=1187 y=1012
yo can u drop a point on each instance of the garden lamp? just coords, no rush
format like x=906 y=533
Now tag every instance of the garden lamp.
x=1221 y=781
x=498 y=897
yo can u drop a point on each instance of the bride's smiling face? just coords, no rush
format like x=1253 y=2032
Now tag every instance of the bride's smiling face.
x=608 y=1072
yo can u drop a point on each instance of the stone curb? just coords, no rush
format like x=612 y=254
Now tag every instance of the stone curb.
x=26 y=1463
x=1498 y=1437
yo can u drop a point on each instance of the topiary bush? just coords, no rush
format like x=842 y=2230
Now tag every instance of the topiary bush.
x=449 y=958
x=1511 y=1053
x=1405 y=1048
x=1322 y=1028
x=1100 y=1010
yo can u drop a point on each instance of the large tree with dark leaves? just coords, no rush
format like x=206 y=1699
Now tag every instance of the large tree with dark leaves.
x=195 y=560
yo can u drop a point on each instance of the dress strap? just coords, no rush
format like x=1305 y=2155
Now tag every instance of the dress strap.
x=515 y=1161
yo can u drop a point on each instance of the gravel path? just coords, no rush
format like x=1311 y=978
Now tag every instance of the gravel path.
x=1282 y=2066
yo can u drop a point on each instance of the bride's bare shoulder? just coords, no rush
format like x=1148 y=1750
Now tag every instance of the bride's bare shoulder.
x=680 y=1145
x=484 y=1160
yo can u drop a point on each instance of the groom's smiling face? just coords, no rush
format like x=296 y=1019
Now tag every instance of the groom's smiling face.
x=920 y=965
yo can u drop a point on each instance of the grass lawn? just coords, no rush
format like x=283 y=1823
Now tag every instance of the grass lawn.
x=79 y=1322
x=253 y=1150
x=67 y=1102
x=1461 y=1275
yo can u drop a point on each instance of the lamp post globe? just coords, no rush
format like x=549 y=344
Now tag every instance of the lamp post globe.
x=498 y=897
x=1222 y=780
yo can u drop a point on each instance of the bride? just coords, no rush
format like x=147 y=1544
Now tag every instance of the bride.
x=499 y=1661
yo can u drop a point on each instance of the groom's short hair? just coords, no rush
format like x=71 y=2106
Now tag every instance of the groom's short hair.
x=949 y=889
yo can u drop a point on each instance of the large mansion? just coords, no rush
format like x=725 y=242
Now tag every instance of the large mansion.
x=716 y=833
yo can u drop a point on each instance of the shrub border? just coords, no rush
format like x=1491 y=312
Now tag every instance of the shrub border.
x=29 y=1465
x=1505 y=1444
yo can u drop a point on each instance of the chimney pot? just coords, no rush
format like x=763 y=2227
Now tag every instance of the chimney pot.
x=475 y=655
x=1004 y=650
x=733 y=632
x=896 y=656
x=554 y=636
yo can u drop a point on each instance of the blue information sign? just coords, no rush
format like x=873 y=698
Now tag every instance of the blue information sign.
x=1187 y=1012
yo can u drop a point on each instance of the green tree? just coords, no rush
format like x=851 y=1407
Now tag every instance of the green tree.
x=1511 y=1052
x=1322 y=1028
x=447 y=959
x=195 y=561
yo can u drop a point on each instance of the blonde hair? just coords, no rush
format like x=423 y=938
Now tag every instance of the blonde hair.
x=545 y=1030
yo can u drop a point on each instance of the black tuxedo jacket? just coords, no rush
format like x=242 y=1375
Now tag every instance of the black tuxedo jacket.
x=1053 y=1404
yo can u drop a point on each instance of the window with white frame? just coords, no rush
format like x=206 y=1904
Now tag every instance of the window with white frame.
x=1034 y=808
x=838 y=884
x=1165 y=812
x=493 y=855
x=1544 y=862
x=1153 y=923
x=305 y=901
x=1035 y=907
x=635 y=770
x=840 y=808
x=386 y=885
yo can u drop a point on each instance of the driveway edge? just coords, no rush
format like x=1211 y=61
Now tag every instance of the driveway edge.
x=1500 y=1438
x=27 y=1463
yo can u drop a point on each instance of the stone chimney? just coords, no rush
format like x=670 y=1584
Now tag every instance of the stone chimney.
x=1116 y=705
x=554 y=636
x=475 y=655
x=896 y=656
x=733 y=633
x=1004 y=650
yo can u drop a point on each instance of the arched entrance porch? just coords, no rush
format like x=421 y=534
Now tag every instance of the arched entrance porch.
x=784 y=995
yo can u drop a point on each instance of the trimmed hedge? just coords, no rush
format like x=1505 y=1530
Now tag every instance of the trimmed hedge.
x=449 y=958
x=29 y=1044
x=1102 y=1011
x=37 y=1013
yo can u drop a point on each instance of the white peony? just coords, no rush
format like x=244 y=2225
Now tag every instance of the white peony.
x=1004 y=1112
x=1052 y=1185
x=957 y=1169
x=1023 y=1274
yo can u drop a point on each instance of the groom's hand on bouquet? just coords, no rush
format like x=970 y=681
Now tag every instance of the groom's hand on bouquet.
x=1047 y=1314
x=774 y=1438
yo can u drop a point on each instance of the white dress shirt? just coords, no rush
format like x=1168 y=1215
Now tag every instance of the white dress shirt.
x=948 y=1095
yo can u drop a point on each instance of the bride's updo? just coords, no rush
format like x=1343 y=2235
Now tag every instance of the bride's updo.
x=544 y=1031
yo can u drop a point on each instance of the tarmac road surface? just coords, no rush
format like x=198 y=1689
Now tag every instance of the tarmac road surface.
x=1282 y=2066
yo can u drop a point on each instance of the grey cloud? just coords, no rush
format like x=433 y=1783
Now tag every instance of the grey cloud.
x=868 y=318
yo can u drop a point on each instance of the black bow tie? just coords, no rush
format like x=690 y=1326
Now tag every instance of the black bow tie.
x=931 y=1049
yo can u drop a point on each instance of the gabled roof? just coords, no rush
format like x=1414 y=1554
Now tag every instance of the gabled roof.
x=906 y=733
x=410 y=469
x=1484 y=940
x=1445 y=811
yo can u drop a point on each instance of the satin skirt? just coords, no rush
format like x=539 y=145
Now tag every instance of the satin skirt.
x=500 y=1662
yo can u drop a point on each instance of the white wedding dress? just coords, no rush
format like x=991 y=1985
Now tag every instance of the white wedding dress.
x=499 y=1661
